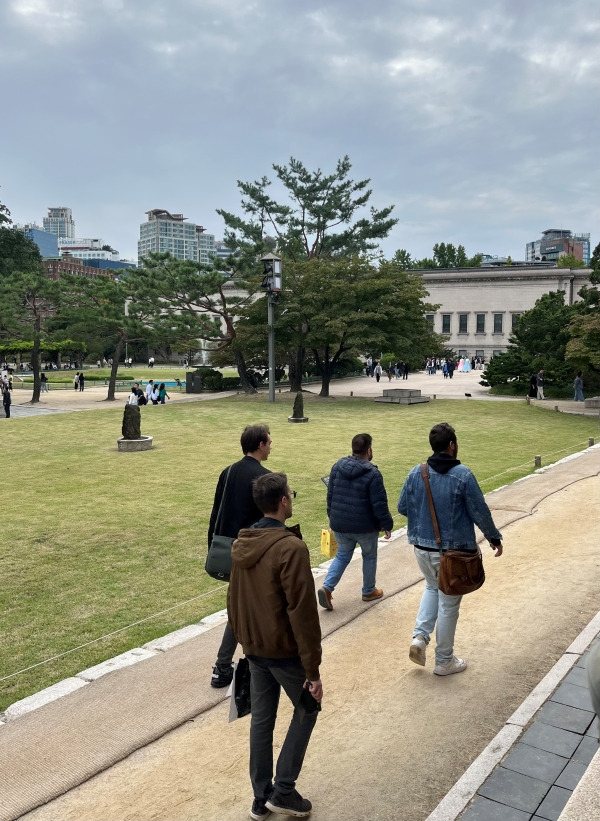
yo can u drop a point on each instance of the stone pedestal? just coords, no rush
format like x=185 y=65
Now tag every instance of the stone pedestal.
x=134 y=445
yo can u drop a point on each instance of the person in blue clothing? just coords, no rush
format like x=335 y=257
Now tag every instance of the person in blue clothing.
x=459 y=504
x=358 y=510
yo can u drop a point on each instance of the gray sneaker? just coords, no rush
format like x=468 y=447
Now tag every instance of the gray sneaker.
x=455 y=665
x=417 y=650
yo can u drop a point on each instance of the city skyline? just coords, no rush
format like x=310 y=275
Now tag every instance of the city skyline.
x=477 y=122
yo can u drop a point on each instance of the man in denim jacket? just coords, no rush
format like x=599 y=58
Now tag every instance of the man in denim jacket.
x=459 y=504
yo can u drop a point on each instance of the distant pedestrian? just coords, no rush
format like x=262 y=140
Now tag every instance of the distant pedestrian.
x=6 y=401
x=378 y=371
x=390 y=371
x=450 y=363
x=533 y=386
x=44 y=383
x=405 y=374
x=81 y=382
x=76 y=381
x=162 y=393
x=149 y=391
x=578 y=388
x=540 y=384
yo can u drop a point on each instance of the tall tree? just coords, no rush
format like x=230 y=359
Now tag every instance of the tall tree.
x=336 y=308
x=321 y=215
x=98 y=306
x=183 y=299
x=539 y=341
x=27 y=295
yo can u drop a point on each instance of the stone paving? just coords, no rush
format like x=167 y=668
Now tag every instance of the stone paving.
x=537 y=777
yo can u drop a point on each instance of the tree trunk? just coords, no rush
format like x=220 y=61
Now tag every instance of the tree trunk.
x=113 y=371
x=325 y=369
x=240 y=364
x=296 y=369
x=35 y=360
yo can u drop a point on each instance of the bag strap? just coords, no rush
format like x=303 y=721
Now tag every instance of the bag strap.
x=425 y=476
x=220 y=511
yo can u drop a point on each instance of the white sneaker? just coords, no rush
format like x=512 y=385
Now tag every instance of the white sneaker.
x=417 y=650
x=455 y=665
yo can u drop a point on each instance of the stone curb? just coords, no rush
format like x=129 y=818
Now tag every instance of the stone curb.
x=457 y=798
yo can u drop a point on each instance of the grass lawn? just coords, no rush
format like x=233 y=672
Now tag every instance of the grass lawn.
x=96 y=540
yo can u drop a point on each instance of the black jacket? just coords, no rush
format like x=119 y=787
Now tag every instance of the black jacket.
x=239 y=509
x=356 y=498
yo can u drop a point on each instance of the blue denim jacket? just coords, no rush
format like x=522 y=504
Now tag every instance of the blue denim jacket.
x=458 y=503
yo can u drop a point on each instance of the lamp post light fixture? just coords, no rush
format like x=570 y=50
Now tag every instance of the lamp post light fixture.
x=272 y=284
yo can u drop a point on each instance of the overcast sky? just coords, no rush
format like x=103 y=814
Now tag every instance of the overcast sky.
x=478 y=119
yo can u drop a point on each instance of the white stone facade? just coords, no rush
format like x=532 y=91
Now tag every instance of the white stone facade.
x=477 y=305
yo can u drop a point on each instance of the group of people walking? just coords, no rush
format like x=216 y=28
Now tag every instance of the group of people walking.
x=154 y=394
x=399 y=370
x=78 y=382
x=271 y=603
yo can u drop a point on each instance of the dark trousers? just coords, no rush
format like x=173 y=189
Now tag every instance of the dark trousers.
x=227 y=648
x=265 y=688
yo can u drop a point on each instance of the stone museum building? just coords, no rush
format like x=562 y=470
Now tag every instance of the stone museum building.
x=479 y=306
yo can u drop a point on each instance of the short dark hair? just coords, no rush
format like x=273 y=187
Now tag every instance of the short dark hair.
x=361 y=443
x=268 y=490
x=440 y=437
x=252 y=436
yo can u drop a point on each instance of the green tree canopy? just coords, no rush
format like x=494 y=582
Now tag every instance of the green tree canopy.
x=445 y=255
x=340 y=308
x=183 y=299
x=27 y=295
x=321 y=215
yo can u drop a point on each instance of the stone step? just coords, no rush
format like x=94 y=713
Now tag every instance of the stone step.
x=401 y=392
x=402 y=400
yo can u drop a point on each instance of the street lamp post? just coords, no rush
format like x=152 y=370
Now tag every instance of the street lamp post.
x=272 y=283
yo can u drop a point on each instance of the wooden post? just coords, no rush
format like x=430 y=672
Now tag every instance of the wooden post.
x=538 y=461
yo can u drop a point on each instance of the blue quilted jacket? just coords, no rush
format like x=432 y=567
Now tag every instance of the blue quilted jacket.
x=356 y=498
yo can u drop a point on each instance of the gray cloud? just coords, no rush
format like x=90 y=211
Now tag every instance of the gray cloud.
x=479 y=121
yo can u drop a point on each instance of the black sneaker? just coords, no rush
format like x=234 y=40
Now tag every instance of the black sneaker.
x=221 y=678
x=291 y=804
x=259 y=810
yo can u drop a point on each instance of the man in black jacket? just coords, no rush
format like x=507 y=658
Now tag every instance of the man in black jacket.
x=238 y=510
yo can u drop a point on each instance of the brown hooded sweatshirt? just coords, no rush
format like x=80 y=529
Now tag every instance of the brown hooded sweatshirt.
x=271 y=599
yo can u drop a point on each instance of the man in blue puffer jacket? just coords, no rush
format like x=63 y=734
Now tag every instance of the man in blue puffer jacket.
x=358 y=510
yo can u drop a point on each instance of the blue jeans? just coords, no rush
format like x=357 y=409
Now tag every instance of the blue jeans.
x=346 y=544
x=436 y=607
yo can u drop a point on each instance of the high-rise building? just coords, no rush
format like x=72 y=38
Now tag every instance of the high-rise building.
x=206 y=245
x=60 y=222
x=45 y=241
x=556 y=242
x=168 y=232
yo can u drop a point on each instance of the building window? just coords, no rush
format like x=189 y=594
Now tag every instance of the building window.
x=445 y=323
x=462 y=323
x=462 y=353
x=480 y=354
x=498 y=320
x=515 y=320
x=480 y=323
x=429 y=318
x=496 y=353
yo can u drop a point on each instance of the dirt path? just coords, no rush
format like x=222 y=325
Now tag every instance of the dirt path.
x=392 y=738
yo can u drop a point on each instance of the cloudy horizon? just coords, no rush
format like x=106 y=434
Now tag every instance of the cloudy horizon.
x=479 y=122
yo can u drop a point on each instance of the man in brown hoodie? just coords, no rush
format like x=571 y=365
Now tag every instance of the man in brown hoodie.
x=272 y=611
